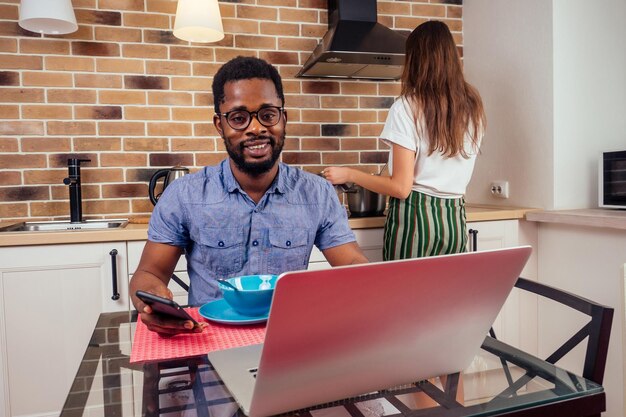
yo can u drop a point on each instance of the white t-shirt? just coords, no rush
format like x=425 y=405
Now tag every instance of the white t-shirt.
x=435 y=175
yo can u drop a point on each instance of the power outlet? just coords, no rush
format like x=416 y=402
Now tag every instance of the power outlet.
x=500 y=189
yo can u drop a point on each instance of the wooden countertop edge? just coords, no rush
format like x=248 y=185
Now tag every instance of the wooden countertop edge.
x=139 y=231
x=605 y=218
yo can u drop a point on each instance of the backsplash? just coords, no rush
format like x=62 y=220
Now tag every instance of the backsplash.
x=125 y=93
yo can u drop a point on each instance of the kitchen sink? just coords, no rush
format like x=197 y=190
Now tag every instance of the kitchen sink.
x=64 y=225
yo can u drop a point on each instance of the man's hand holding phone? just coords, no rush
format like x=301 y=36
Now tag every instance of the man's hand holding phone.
x=163 y=315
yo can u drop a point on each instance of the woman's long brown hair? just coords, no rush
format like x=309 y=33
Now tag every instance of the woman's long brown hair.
x=434 y=85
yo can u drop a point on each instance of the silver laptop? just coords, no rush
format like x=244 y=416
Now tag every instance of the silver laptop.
x=351 y=330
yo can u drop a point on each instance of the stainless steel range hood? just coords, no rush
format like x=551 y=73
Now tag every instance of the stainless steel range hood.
x=356 y=45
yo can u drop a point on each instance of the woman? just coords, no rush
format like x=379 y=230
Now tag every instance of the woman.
x=434 y=129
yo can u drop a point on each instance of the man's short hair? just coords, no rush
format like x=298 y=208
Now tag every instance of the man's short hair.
x=244 y=68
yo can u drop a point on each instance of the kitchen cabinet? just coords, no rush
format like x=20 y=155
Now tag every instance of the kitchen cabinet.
x=370 y=241
x=50 y=298
x=134 y=256
x=496 y=235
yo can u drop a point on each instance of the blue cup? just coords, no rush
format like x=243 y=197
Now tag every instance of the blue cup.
x=253 y=296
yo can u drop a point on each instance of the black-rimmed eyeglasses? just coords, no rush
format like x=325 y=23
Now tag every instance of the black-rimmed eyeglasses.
x=241 y=119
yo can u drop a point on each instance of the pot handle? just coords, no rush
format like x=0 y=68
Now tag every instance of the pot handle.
x=347 y=187
x=157 y=175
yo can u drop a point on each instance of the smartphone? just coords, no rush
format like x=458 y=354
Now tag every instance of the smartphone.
x=164 y=306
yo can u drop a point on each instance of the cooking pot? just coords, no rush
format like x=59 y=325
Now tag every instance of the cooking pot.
x=169 y=176
x=363 y=202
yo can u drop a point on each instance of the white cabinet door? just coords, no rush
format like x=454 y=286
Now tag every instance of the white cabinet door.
x=134 y=256
x=370 y=241
x=50 y=298
x=496 y=235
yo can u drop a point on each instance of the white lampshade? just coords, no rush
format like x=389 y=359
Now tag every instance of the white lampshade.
x=198 y=21
x=52 y=17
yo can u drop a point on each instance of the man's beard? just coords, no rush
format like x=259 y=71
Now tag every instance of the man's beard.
x=255 y=168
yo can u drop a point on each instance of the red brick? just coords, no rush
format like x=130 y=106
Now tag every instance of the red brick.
x=164 y=67
x=169 y=129
x=169 y=98
x=21 y=128
x=14 y=211
x=10 y=178
x=193 y=144
x=146 y=113
x=122 y=159
x=146 y=144
x=106 y=206
x=55 y=63
x=71 y=128
x=21 y=62
x=256 y=13
x=44 y=46
x=47 y=79
x=9 y=112
x=9 y=145
x=86 y=144
x=117 y=34
x=22 y=161
x=98 y=81
x=46 y=112
x=121 y=128
x=71 y=96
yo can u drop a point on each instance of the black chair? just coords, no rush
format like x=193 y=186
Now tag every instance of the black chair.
x=597 y=330
x=180 y=282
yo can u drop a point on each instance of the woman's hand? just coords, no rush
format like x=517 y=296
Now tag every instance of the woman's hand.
x=338 y=175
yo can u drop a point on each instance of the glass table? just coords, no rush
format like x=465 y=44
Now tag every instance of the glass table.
x=501 y=380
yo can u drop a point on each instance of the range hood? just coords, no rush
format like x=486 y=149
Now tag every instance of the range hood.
x=356 y=45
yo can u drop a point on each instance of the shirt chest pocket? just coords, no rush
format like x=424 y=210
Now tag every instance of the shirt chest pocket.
x=222 y=250
x=289 y=250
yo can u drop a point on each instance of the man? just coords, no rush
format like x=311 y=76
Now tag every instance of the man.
x=251 y=214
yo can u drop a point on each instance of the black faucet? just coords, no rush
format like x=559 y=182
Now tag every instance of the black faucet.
x=73 y=180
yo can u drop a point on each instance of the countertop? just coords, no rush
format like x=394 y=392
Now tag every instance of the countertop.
x=137 y=228
x=608 y=218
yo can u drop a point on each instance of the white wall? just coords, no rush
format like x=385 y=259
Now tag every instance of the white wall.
x=552 y=74
x=589 y=94
x=507 y=48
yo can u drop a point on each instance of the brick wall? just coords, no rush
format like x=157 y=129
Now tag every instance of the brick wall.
x=125 y=93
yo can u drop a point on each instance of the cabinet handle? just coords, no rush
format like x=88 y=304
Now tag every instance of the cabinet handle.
x=116 y=295
x=474 y=242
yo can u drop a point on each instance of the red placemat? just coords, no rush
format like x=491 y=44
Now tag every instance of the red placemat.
x=149 y=346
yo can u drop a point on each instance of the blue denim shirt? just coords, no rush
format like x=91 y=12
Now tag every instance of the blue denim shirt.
x=225 y=234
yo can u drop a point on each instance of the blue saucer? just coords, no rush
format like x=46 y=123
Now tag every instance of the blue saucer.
x=219 y=311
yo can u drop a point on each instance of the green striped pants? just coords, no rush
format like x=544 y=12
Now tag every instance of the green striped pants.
x=423 y=225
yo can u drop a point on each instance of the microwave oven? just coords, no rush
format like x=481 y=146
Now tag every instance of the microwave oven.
x=612 y=184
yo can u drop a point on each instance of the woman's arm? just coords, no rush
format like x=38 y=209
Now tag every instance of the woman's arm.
x=398 y=185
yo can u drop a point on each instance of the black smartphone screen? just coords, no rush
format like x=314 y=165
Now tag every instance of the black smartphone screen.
x=164 y=306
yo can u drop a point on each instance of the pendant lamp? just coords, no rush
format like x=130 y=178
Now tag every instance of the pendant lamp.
x=198 y=21
x=52 y=17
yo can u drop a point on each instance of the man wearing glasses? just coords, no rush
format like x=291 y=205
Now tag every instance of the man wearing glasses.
x=251 y=214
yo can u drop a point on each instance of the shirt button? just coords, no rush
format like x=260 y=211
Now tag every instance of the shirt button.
x=288 y=243
x=255 y=243
x=220 y=244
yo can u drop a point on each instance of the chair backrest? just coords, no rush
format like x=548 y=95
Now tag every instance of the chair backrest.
x=180 y=282
x=597 y=330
